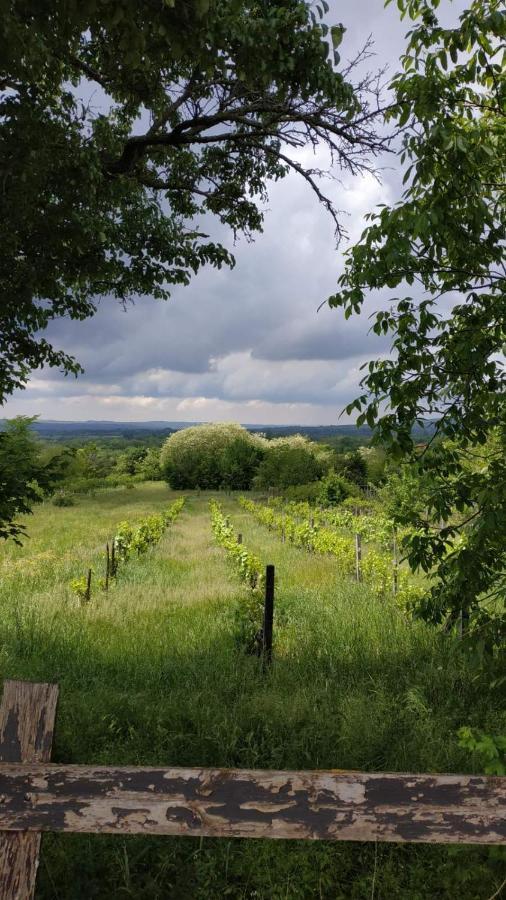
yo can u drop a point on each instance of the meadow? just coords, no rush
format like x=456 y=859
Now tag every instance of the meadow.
x=151 y=673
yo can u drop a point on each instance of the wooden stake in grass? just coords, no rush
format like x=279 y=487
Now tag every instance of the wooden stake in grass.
x=114 y=564
x=396 y=564
x=268 y=615
x=358 y=556
x=107 y=566
x=239 y=538
x=87 y=596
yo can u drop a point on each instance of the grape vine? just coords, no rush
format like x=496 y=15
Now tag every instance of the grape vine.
x=131 y=539
x=377 y=568
x=249 y=613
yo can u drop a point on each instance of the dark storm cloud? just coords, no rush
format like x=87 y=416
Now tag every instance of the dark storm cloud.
x=235 y=335
x=328 y=337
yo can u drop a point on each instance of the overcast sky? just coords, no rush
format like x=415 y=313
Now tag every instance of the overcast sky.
x=246 y=344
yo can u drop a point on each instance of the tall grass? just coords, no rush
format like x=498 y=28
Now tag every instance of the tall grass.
x=150 y=673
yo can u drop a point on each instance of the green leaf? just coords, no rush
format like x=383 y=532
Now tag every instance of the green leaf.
x=337 y=34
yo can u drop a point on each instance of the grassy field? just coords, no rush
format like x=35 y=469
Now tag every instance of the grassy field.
x=151 y=674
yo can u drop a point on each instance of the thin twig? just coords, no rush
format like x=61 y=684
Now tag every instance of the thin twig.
x=498 y=891
x=373 y=886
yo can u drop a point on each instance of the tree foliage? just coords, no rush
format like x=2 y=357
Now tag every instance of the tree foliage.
x=211 y=457
x=334 y=489
x=123 y=125
x=442 y=245
x=291 y=461
x=24 y=476
x=226 y=455
x=355 y=468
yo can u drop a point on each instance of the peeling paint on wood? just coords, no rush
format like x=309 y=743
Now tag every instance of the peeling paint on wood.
x=325 y=805
x=27 y=716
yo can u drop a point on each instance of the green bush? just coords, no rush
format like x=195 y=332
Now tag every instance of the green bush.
x=285 y=465
x=333 y=489
x=222 y=455
x=63 y=498
x=303 y=492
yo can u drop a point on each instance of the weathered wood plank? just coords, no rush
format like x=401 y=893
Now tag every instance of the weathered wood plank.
x=326 y=805
x=27 y=716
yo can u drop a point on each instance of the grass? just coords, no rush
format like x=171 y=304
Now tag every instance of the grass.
x=151 y=674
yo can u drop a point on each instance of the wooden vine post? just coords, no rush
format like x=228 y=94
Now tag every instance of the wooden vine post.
x=107 y=566
x=268 y=615
x=396 y=563
x=358 y=556
x=27 y=717
x=239 y=538
x=87 y=595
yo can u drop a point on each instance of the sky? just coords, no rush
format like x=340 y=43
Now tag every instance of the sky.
x=246 y=344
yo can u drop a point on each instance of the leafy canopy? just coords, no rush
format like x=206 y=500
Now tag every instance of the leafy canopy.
x=24 y=475
x=124 y=124
x=445 y=241
x=211 y=456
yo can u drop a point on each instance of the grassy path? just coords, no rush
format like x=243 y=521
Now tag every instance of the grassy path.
x=151 y=674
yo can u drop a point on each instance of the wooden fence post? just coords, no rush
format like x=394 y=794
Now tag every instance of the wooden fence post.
x=268 y=615
x=27 y=716
x=87 y=596
x=114 y=564
x=107 y=566
x=358 y=556
x=239 y=538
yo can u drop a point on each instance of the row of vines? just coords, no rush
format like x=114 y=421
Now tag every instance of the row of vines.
x=373 y=526
x=304 y=528
x=129 y=539
x=249 y=614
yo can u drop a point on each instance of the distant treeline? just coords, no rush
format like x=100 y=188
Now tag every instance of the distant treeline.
x=221 y=456
x=157 y=432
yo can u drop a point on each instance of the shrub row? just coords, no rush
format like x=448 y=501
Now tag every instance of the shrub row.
x=377 y=569
x=131 y=539
x=373 y=526
x=248 y=566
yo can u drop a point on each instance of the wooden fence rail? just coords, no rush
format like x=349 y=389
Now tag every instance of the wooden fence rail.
x=37 y=796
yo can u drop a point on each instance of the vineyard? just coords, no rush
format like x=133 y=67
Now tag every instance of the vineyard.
x=162 y=668
x=341 y=534
x=129 y=539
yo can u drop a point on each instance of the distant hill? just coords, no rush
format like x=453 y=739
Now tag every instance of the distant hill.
x=87 y=430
